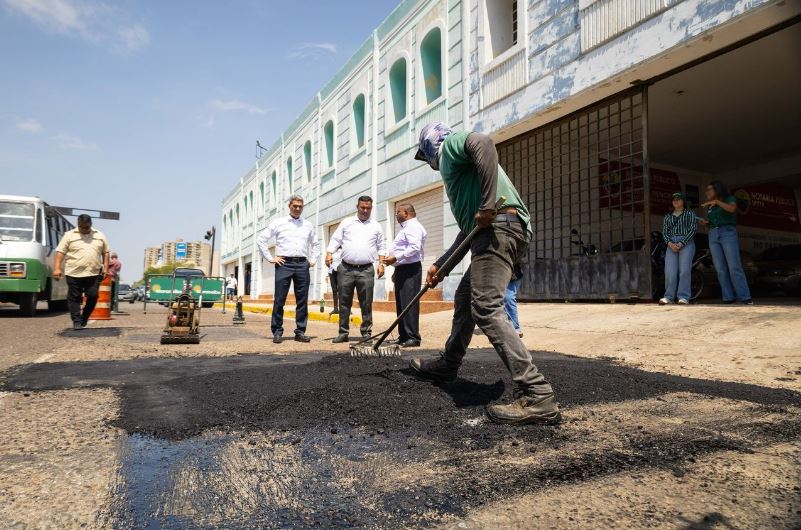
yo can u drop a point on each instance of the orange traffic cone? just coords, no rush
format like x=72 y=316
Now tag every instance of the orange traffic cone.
x=102 y=310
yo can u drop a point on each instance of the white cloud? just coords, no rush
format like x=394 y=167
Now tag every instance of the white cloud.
x=234 y=105
x=90 y=20
x=74 y=143
x=29 y=125
x=313 y=50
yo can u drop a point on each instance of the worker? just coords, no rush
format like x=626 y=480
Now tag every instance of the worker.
x=362 y=242
x=82 y=256
x=407 y=257
x=473 y=180
x=114 y=268
x=297 y=250
x=230 y=286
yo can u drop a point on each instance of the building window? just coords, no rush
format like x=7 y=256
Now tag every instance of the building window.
x=261 y=196
x=397 y=88
x=273 y=184
x=307 y=163
x=500 y=26
x=431 y=57
x=358 y=120
x=328 y=132
x=289 y=173
x=251 y=203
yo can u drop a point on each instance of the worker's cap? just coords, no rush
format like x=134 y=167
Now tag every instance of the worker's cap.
x=678 y=195
x=431 y=137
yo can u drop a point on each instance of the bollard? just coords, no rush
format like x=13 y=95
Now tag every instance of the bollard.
x=239 y=317
x=102 y=310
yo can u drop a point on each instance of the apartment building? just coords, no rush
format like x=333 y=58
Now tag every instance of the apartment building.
x=152 y=257
x=195 y=253
x=600 y=110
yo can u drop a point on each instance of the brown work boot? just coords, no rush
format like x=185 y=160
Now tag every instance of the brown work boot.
x=540 y=409
x=438 y=369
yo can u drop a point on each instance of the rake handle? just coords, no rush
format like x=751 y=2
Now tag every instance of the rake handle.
x=441 y=273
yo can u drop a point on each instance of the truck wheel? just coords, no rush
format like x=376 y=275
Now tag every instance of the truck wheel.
x=27 y=304
x=56 y=305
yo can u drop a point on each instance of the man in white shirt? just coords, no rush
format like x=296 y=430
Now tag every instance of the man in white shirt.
x=362 y=243
x=297 y=250
x=230 y=287
x=407 y=256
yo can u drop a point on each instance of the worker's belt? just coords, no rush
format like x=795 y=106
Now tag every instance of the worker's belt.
x=293 y=259
x=353 y=266
x=508 y=217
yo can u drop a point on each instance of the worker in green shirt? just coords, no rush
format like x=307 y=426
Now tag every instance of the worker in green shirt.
x=468 y=163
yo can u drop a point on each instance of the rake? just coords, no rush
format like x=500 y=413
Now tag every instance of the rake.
x=363 y=348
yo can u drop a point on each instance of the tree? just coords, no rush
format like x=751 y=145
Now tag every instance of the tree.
x=165 y=269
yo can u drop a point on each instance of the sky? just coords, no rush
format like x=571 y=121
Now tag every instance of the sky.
x=152 y=108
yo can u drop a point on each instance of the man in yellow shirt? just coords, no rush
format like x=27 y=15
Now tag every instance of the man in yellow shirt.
x=82 y=256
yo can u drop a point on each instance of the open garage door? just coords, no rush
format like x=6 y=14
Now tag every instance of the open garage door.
x=429 y=207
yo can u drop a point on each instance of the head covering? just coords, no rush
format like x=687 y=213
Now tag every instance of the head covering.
x=431 y=138
x=678 y=195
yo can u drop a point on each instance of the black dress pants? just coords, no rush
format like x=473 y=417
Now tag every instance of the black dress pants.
x=297 y=273
x=361 y=279
x=77 y=288
x=408 y=279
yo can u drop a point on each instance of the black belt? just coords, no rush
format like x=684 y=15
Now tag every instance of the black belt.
x=357 y=266
x=294 y=259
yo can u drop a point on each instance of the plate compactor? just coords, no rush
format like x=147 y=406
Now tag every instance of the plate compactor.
x=183 y=318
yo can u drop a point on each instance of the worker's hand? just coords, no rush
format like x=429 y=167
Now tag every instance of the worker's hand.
x=484 y=218
x=57 y=274
x=390 y=260
x=431 y=276
x=329 y=259
x=380 y=270
x=278 y=260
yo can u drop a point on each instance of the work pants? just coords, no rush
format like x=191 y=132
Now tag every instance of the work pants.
x=408 y=279
x=362 y=279
x=77 y=288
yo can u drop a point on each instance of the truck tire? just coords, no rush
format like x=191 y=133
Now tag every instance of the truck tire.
x=27 y=304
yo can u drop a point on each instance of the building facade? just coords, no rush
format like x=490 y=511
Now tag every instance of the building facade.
x=600 y=110
x=152 y=257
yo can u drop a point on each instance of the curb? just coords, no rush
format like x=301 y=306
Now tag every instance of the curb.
x=289 y=313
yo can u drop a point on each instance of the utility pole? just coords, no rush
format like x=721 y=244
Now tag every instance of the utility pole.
x=211 y=234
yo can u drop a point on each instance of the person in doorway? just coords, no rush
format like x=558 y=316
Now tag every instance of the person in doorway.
x=678 y=232
x=407 y=257
x=230 y=287
x=114 y=267
x=297 y=250
x=721 y=216
x=333 y=279
x=362 y=242
x=468 y=164
x=82 y=256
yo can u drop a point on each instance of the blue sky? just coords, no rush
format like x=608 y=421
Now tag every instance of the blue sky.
x=138 y=107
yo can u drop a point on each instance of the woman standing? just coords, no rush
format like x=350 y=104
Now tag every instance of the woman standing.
x=721 y=215
x=678 y=231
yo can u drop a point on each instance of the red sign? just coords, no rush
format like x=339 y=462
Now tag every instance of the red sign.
x=622 y=187
x=771 y=206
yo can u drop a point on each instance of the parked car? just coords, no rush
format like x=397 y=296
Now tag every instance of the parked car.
x=780 y=268
x=126 y=293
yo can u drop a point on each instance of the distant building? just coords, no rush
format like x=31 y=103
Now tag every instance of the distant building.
x=194 y=253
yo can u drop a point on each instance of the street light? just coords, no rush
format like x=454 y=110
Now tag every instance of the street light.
x=210 y=234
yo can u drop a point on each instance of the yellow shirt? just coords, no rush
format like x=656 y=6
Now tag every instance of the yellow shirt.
x=83 y=253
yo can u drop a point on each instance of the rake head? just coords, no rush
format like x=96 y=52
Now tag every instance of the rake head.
x=365 y=350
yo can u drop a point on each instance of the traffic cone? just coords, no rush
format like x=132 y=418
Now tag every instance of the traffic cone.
x=102 y=310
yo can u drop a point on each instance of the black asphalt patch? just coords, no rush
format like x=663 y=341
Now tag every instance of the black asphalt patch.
x=90 y=332
x=183 y=413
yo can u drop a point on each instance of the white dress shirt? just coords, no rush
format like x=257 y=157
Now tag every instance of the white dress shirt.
x=361 y=242
x=408 y=245
x=293 y=239
x=336 y=260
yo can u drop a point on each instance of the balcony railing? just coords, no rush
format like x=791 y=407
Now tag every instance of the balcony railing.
x=503 y=78
x=602 y=20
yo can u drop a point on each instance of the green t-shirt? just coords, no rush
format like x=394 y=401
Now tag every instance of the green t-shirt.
x=464 y=189
x=717 y=216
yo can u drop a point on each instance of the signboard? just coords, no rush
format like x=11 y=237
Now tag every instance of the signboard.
x=621 y=187
x=770 y=206
x=180 y=251
x=162 y=288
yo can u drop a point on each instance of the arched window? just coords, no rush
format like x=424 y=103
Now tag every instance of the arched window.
x=431 y=57
x=397 y=88
x=358 y=120
x=251 y=202
x=307 y=162
x=273 y=184
x=289 y=174
x=328 y=132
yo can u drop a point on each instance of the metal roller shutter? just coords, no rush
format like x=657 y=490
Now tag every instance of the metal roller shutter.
x=429 y=208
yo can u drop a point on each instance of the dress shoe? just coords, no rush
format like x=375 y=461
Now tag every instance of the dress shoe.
x=439 y=369
x=302 y=337
x=541 y=409
x=277 y=338
x=411 y=343
x=340 y=338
